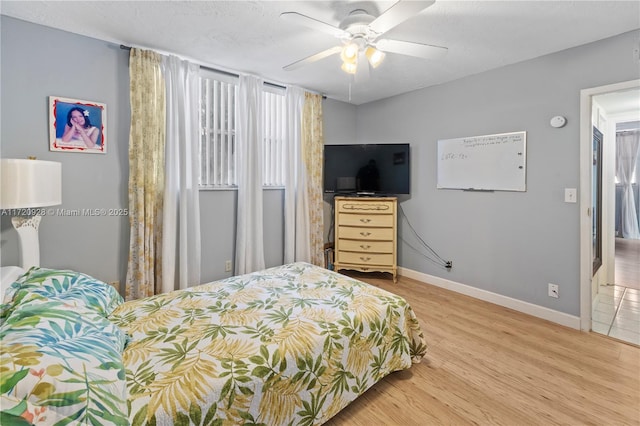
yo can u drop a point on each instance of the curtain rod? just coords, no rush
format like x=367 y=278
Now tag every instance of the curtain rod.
x=230 y=74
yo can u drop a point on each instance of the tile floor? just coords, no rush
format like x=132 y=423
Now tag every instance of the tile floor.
x=616 y=313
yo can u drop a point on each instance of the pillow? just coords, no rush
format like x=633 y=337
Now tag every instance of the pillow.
x=61 y=364
x=8 y=274
x=72 y=288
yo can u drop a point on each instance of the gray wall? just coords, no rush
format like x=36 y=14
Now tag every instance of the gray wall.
x=218 y=224
x=510 y=243
x=32 y=70
x=339 y=122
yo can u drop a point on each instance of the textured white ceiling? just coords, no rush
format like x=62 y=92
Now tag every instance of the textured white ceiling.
x=250 y=37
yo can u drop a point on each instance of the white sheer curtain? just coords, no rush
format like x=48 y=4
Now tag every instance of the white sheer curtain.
x=296 y=203
x=181 y=216
x=627 y=147
x=249 y=149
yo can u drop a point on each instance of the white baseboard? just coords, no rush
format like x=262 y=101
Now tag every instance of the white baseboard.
x=498 y=299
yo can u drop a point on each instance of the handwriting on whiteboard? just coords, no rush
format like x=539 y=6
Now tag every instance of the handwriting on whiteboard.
x=489 y=162
x=512 y=138
x=453 y=156
x=482 y=141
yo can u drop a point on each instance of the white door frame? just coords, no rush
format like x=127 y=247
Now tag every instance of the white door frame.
x=586 y=265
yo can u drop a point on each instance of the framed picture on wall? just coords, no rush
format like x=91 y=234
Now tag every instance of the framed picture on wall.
x=77 y=126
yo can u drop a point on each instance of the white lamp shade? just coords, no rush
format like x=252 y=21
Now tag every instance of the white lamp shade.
x=374 y=56
x=30 y=183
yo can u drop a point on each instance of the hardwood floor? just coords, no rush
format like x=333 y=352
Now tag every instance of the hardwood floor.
x=490 y=365
x=627 y=263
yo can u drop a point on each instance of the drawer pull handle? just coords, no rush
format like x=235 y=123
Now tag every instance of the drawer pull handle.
x=365 y=220
x=362 y=246
x=365 y=234
x=365 y=259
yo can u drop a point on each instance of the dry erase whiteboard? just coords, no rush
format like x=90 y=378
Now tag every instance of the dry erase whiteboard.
x=489 y=163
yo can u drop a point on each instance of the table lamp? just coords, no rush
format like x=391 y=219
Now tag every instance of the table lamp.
x=25 y=187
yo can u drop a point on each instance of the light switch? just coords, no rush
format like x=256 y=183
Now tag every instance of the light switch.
x=570 y=195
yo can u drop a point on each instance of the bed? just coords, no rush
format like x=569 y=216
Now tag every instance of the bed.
x=287 y=345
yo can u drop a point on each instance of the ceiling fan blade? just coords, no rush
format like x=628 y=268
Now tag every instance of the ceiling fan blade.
x=313 y=58
x=398 y=13
x=309 y=22
x=419 y=50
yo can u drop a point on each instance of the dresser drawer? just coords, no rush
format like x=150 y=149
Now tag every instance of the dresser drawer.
x=357 y=233
x=366 y=207
x=374 y=220
x=367 y=246
x=347 y=257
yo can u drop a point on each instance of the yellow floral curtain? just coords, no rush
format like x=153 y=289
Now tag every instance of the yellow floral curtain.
x=312 y=153
x=146 y=174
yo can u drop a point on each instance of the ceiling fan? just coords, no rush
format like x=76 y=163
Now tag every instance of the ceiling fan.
x=361 y=36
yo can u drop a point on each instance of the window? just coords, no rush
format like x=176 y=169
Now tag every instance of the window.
x=218 y=95
x=217 y=132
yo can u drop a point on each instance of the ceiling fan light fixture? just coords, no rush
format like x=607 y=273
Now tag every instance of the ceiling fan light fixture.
x=374 y=56
x=349 y=67
x=349 y=53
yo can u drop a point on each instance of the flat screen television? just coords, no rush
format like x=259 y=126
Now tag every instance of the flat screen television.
x=367 y=169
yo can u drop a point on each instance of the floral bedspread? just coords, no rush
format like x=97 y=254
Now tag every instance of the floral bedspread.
x=288 y=345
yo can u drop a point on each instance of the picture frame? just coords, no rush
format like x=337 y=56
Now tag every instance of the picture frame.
x=77 y=125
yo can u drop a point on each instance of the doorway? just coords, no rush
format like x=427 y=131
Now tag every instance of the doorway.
x=603 y=300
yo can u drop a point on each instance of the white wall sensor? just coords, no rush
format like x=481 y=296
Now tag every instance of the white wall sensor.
x=558 y=121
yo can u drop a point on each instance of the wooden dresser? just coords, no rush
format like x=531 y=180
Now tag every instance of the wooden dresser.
x=365 y=234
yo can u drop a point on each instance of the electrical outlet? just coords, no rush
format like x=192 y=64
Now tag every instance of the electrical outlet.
x=553 y=290
x=227 y=266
